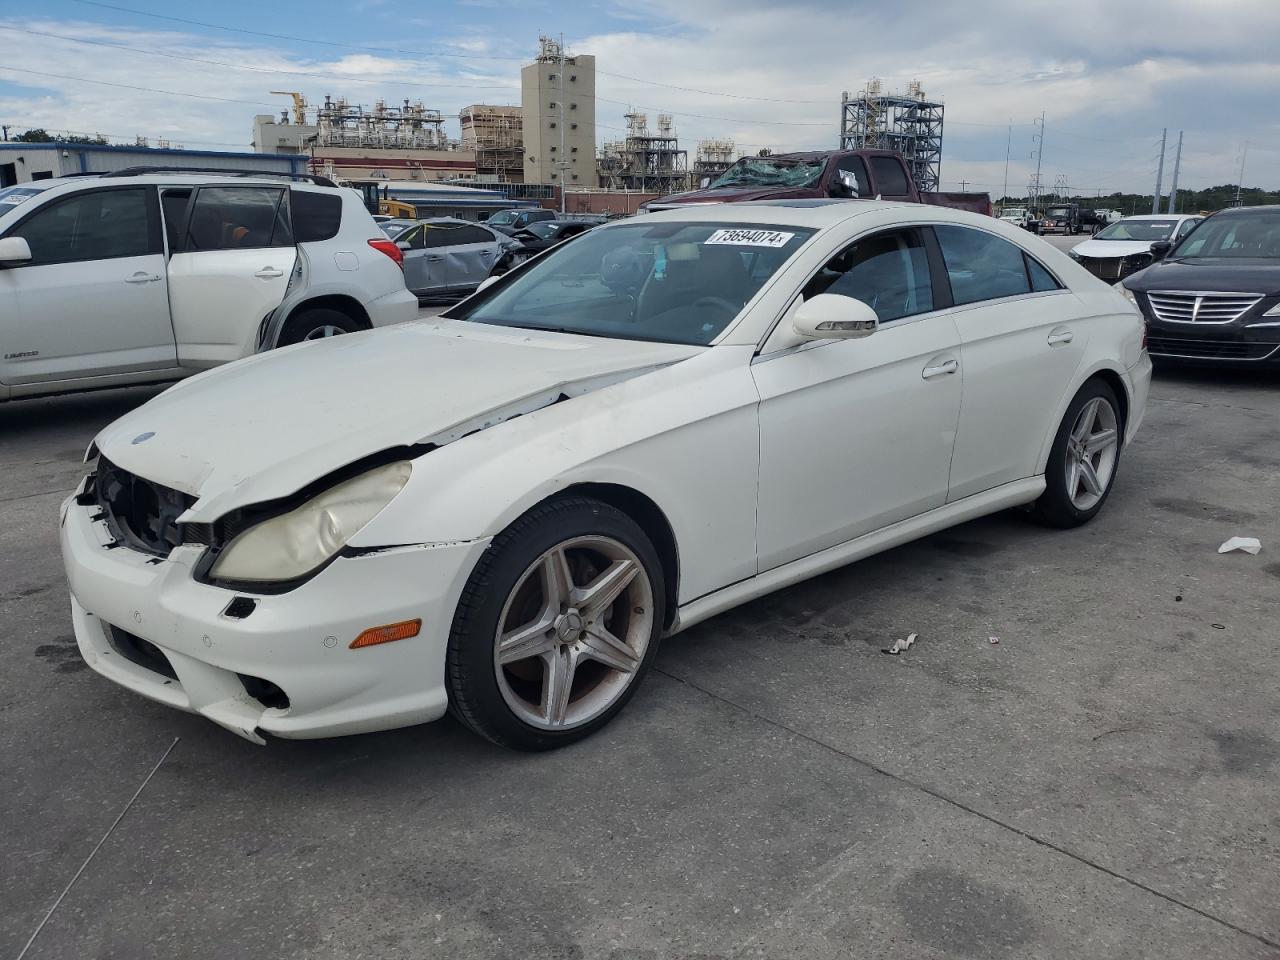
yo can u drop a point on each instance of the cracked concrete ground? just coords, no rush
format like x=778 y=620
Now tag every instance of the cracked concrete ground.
x=1102 y=783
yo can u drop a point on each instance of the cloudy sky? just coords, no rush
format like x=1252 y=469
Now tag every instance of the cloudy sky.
x=1108 y=75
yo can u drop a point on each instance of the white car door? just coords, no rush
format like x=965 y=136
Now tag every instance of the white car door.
x=92 y=300
x=231 y=270
x=1021 y=340
x=858 y=434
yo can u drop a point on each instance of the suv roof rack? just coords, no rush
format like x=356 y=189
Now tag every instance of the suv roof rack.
x=141 y=171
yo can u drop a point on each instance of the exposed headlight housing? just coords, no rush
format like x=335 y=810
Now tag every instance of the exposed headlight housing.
x=294 y=544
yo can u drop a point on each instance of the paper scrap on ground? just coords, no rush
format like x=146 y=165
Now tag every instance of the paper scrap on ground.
x=993 y=640
x=900 y=645
x=1247 y=544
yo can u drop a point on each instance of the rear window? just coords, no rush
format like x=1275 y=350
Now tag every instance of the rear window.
x=234 y=218
x=316 y=216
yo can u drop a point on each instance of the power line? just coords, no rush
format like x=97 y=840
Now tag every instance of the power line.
x=129 y=86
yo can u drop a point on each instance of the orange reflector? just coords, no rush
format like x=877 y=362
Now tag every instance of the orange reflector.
x=392 y=631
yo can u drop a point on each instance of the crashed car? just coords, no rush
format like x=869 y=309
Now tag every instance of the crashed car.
x=662 y=419
x=1124 y=247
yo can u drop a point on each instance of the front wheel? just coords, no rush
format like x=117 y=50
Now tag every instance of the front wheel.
x=556 y=626
x=1084 y=459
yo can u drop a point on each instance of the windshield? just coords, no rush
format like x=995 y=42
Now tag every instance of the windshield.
x=669 y=282
x=771 y=172
x=10 y=197
x=1254 y=235
x=1145 y=230
x=504 y=218
x=543 y=231
x=1059 y=212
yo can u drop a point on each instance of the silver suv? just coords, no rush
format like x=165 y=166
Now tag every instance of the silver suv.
x=149 y=275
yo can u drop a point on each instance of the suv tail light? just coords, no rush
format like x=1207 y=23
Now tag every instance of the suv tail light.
x=390 y=249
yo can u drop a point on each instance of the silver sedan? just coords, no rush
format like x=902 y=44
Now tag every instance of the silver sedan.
x=444 y=256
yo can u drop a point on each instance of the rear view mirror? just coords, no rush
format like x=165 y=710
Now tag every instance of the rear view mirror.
x=831 y=317
x=14 y=250
x=1160 y=249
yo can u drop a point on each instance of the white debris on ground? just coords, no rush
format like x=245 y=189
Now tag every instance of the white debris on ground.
x=900 y=645
x=1247 y=544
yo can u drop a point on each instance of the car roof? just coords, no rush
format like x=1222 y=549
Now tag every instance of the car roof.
x=176 y=177
x=789 y=213
x=1242 y=211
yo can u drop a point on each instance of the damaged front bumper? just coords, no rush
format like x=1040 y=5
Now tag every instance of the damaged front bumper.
x=279 y=665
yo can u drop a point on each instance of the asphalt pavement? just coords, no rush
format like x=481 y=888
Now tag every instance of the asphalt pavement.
x=1102 y=782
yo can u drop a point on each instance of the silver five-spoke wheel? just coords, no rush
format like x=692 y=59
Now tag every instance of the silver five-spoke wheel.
x=325 y=330
x=573 y=632
x=1092 y=449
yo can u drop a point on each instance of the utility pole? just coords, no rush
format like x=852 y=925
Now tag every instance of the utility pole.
x=1177 y=165
x=1155 y=201
x=5 y=128
x=564 y=163
x=1039 y=137
x=1008 y=146
x=1240 y=179
x=963 y=185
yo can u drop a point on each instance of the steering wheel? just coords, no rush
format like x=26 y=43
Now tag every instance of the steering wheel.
x=721 y=302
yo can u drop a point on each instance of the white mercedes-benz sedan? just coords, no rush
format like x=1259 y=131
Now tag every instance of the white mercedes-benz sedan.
x=501 y=512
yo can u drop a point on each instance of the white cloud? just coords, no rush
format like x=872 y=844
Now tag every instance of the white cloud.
x=1109 y=76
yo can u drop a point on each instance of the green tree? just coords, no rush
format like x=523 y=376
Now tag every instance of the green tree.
x=41 y=135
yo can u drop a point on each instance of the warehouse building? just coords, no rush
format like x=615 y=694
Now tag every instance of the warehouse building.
x=24 y=162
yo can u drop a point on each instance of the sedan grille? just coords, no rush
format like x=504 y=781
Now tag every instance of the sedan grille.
x=1178 y=307
x=140 y=514
x=1209 y=349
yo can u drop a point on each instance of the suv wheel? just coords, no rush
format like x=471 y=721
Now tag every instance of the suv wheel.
x=316 y=324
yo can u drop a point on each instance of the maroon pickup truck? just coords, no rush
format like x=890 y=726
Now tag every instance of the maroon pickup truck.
x=851 y=174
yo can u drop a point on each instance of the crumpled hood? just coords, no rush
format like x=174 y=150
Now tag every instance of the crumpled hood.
x=1111 y=249
x=267 y=426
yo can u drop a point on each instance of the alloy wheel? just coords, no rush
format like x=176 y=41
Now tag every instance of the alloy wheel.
x=325 y=330
x=573 y=632
x=1092 y=449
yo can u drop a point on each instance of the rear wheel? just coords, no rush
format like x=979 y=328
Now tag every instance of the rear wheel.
x=556 y=626
x=1085 y=457
x=316 y=324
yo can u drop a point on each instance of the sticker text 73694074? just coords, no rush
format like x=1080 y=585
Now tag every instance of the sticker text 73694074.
x=750 y=238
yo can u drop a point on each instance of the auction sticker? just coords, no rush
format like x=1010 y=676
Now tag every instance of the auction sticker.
x=750 y=238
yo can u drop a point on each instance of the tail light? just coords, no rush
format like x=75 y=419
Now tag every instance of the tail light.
x=390 y=249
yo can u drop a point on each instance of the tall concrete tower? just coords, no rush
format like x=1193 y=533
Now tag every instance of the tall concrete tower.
x=558 y=102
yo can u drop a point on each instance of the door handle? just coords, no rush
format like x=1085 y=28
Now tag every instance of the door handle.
x=435 y=259
x=940 y=370
x=1057 y=337
x=141 y=277
x=269 y=273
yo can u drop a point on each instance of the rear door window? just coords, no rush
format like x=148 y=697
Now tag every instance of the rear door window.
x=239 y=218
x=442 y=235
x=92 y=225
x=891 y=178
x=316 y=216
x=469 y=234
x=981 y=266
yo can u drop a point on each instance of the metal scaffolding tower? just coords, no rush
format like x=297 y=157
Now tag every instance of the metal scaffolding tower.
x=908 y=124
x=646 y=160
x=713 y=158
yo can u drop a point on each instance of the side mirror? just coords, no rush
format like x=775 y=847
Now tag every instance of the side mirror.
x=486 y=283
x=831 y=317
x=704 y=183
x=14 y=250
x=845 y=184
x=1160 y=249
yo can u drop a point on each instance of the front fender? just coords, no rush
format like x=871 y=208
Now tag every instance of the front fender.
x=685 y=436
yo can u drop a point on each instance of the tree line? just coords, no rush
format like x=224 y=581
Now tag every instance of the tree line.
x=1189 y=201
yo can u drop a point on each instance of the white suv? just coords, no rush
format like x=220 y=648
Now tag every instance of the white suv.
x=146 y=275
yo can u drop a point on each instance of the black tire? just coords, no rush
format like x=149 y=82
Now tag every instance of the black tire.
x=1055 y=507
x=301 y=325
x=474 y=694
